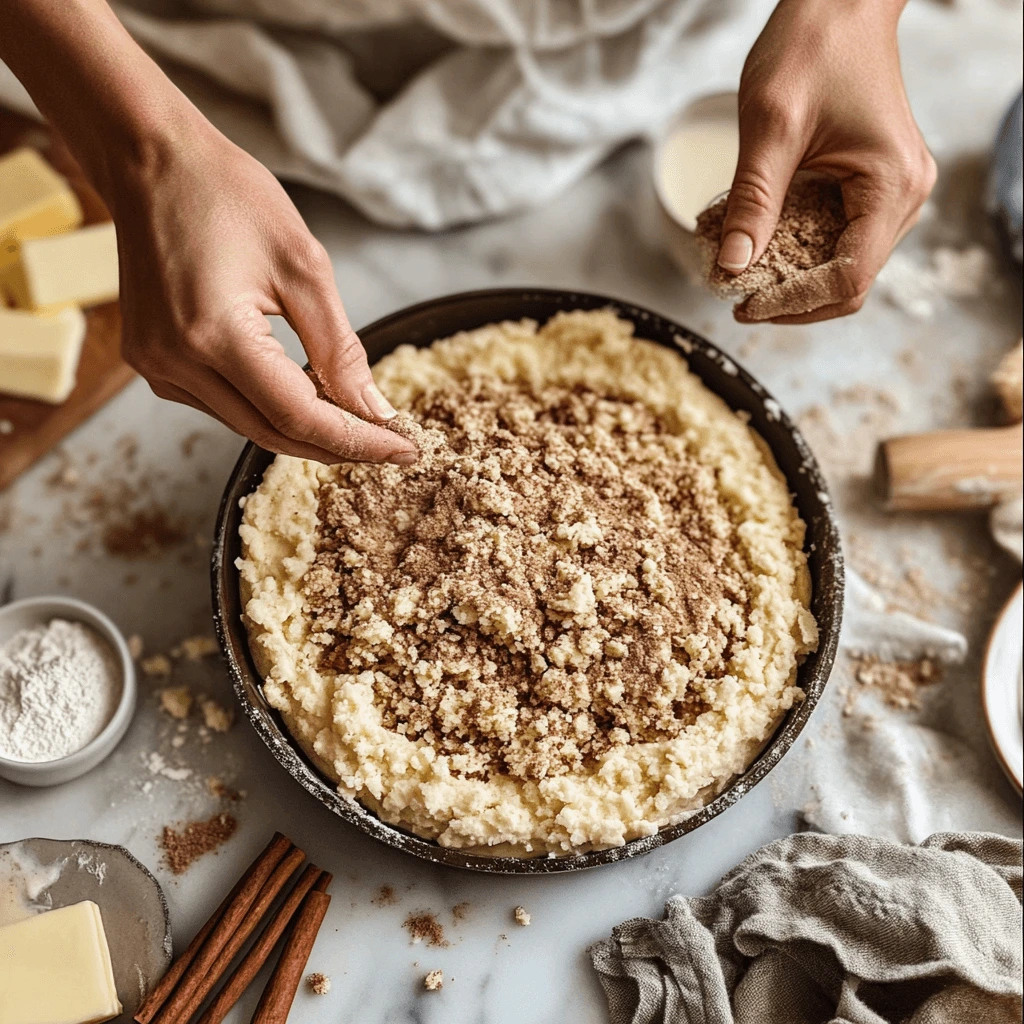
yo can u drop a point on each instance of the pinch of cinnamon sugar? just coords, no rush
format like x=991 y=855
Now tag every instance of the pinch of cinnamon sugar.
x=811 y=221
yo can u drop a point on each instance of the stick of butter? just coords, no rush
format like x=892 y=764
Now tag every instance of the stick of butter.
x=39 y=354
x=75 y=269
x=55 y=969
x=35 y=201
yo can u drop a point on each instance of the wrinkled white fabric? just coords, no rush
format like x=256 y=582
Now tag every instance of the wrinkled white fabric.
x=520 y=99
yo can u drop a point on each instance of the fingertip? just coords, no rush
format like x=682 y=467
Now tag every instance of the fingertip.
x=404 y=458
x=736 y=251
x=380 y=408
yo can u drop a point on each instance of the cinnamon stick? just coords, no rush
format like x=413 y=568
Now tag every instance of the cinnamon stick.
x=261 y=949
x=261 y=867
x=278 y=996
x=181 y=1007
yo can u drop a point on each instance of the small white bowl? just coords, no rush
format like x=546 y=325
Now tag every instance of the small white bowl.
x=37 y=611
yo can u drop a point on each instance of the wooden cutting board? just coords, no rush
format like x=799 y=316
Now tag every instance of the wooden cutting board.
x=30 y=429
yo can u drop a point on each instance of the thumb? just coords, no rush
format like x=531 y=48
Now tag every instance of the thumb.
x=766 y=165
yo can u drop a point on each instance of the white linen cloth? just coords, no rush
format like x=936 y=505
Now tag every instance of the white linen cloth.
x=898 y=774
x=503 y=103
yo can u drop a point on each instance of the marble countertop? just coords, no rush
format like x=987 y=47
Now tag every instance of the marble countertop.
x=851 y=381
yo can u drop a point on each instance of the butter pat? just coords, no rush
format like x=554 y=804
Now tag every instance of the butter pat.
x=35 y=201
x=76 y=269
x=55 y=969
x=39 y=354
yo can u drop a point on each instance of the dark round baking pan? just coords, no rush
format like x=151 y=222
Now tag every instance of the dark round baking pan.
x=424 y=323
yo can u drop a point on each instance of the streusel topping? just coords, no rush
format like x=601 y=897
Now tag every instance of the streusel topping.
x=556 y=576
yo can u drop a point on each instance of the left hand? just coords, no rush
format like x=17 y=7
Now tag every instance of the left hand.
x=822 y=91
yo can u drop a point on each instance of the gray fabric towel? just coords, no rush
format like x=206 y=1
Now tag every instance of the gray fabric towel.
x=842 y=929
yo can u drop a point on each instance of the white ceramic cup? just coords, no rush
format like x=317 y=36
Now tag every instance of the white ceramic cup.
x=677 y=230
x=37 y=611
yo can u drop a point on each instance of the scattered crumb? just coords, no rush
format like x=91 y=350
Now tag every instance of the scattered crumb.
x=425 y=927
x=135 y=646
x=6 y=427
x=434 y=981
x=195 y=648
x=156 y=665
x=460 y=911
x=898 y=682
x=319 y=983
x=176 y=701
x=385 y=896
x=902 y=583
x=216 y=716
x=182 y=849
x=158 y=766
x=521 y=916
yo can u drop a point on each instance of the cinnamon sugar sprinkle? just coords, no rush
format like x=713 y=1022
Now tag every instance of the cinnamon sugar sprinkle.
x=781 y=282
x=385 y=897
x=554 y=554
x=182 y=849
x=425 y=928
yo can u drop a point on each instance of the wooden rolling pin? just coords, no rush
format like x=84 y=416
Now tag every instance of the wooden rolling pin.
x=950 y=470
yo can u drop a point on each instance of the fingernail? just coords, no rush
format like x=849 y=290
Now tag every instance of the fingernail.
x=377 y=403
x=737 y=248
x=404 y=458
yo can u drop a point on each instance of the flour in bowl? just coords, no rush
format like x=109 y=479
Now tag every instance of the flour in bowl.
x=59 y=687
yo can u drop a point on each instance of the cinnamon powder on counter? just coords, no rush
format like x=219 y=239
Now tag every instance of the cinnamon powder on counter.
x=425 y=928
x=182 y=849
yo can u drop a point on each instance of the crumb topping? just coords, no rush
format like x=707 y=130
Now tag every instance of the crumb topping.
x=319 y=983
x=555 y=577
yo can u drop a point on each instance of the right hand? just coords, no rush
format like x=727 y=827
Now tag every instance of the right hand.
x=209 y=245
x=822 y=91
